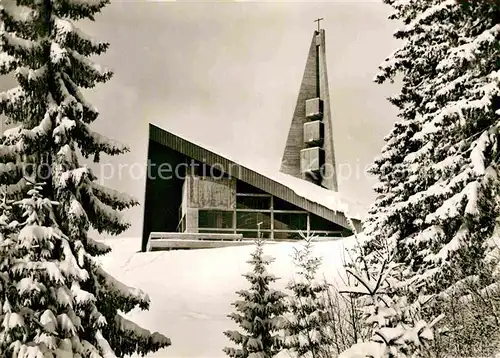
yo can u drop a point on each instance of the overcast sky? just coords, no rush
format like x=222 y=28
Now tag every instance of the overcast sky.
x=226 y=74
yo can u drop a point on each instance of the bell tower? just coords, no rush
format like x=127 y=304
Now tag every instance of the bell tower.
x=309 y=152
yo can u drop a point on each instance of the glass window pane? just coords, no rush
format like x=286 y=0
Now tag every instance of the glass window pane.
x=215 y=219
x=242 y=187
x=290 y=221
x=320 y=224
x=249 y=220
x=284 y=205
x=253 y=202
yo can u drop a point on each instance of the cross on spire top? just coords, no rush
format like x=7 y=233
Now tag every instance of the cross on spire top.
x=318 y=21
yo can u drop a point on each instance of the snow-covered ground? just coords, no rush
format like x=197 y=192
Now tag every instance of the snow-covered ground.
x=191 y=291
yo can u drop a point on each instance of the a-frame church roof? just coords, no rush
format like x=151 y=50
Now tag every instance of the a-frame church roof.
x=325 y=203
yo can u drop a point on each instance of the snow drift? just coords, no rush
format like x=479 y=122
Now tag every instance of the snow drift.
x=191 y=291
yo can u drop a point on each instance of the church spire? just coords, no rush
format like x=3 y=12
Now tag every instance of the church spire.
x=309 y=152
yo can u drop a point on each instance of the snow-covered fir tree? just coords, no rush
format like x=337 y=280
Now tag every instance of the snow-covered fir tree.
x=394 y=327
x=57 y=301
x=258 y=312
x=438 y=172
x=306 y=329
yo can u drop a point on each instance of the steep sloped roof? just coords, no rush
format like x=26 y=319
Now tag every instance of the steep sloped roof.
x=323 y=202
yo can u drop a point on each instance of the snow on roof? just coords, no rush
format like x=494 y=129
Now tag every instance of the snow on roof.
x=332 y=200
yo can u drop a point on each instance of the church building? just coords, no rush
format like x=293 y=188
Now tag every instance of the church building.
x=196 y=197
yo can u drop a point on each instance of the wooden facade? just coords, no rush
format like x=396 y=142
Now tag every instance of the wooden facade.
x=207 y=192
